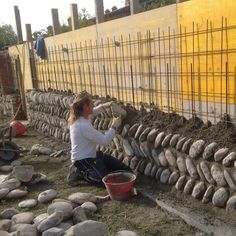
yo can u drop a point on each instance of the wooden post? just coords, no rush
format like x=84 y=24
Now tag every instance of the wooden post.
x=55 y=21
x=18 y=24
x=99 y=9
x=74 y=16
x=134 y=7
x=31 y=55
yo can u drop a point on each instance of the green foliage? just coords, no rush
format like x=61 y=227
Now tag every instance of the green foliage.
x=7 y=36
x=148 y=5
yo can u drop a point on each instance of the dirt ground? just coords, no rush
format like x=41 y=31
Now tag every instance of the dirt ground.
x=138 y=214
x=223 y=133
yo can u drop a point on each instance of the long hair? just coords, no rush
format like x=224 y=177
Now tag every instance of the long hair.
x=77 y=106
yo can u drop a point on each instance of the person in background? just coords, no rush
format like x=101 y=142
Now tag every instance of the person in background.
x=91 y=165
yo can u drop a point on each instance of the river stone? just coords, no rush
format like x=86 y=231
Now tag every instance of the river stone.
x=133 y=130
x=89 y=207
x=162 y=159
x=196 y=149
x=91 y=228
x=165 y=175
x=199 y=190
x=200 y=173
x=158 y=173
x=206 y=172
x=5 y=225
x=136 y=148
x=174 y=140
x=181 y=165
x=170 y=157
x=186 y=145
x=220 y=154
x=126 y=233
x=142 y=166
x=191 y=168
x=125 y=130
x=6 y=168
x=35 y=149
x=159 y=139
x=23 y=218
x=231 y=204
x=16 y=163
x=173 y=177
x=51 y=221
x=64 y=207
x=37 y=178
x=5 y=233
x=209 y=151
x=134 y=162
x=79 y=215
x=47 y=195
x=65 y=226
x=166 y=140
x=152 y=135
x=143 y=136
x=127 y=148
x=38 y=219
x=24 y=229
x=54 y=231
x=181 y=182
x=208 y=194
x=218 y=175
x=16 y=193
x=81 y=198
x=229 y=159
x=4 y=192
x=139 y=131
x=153 y=171
x=155 y=157
x=64 y=200
x=10 y=184
x=188 y=188
x=148 y=169
x=120 y=156
x=145 y=150
x=126 y=160
x=229 y=180
x=23 y=173
x=8 y=213
x=220 y=197
x=180 y=143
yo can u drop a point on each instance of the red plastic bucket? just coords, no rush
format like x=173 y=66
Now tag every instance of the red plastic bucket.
x=18 y=129
x=119 y=185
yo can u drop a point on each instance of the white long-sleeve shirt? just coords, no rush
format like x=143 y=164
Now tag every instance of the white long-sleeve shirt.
x=84 y=137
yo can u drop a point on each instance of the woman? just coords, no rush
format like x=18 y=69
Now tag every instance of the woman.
x=92 y=166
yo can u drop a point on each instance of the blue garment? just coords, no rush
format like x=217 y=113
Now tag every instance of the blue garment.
x=40 y=47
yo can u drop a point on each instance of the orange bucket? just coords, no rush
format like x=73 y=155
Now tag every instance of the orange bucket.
x=119 y=184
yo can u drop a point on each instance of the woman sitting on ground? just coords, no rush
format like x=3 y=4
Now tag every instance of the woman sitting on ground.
x=91 y=165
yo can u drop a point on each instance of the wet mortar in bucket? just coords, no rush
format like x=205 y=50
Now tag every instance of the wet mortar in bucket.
x=119 y=185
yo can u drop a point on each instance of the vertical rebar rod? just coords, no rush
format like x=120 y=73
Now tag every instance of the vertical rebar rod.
x=78 y=67
x=54 y=68
x=170 y=68
x=44 y=84
x=156 y=74
x=187 y=70
x=160 y=70
x=207 y=29
x=58 y=69
x=150 y=88
x=87 y=61
x=50 y=68
x=199 y=73
x=124 y=73
x=100 y=68
x=227 y=67
x=167 y=71
x=191 y=70
x=135 y=44
x=105 y=80
x=140 y=65
x=213 y=71
x=110 y=68
x=69 y=66
x=94 y=79
x=63 y=51
x=168 y=95
x=175 y=73
x=62 y=72
x=83 y=74
x=221 y=66
x=132 y=83
x=73 y=65
x=45 y=74
x=116 y=44
x=226 y=91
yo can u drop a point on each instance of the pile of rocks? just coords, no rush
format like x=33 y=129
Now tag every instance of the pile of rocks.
x=67 y=217
x=9 y=104
x=14 y=184
x=207 y=172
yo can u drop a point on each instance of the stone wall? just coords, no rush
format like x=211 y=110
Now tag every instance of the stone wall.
x=207 y=172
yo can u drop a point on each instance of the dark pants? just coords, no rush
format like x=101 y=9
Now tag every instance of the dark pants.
x=94 y=169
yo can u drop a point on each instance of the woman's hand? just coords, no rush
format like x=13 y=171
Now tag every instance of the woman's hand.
x=107 y=104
